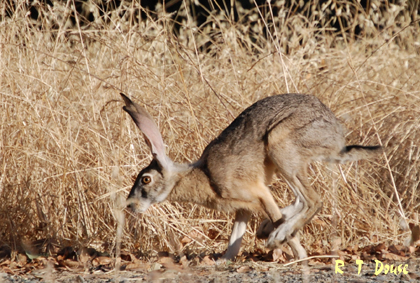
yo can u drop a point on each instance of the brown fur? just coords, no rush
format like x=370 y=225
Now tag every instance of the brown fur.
x=195 y=187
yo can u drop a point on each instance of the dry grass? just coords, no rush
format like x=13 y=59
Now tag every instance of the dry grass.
x=69 y=154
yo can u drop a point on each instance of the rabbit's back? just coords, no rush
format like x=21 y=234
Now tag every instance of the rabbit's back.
x=240 y=153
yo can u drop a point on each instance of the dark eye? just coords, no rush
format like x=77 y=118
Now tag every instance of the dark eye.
x=146 y=179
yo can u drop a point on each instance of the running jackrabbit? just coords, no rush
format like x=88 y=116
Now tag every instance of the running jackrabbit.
x=278 y=134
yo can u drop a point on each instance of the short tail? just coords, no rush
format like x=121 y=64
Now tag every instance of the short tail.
x=357 y=152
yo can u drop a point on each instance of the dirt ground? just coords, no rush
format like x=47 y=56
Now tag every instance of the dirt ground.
x=378 y=262
x=209 y=271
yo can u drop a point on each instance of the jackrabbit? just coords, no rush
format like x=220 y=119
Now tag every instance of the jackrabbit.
x=279 y=134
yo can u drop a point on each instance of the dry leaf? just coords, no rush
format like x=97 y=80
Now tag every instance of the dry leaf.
x=213 y=234
x=135 y=266
x=101 y=260
x=193 y=235
x=243 y=269
x=22 y=259
x=90 y=252
x=5 y=263
x=278 y=255
x=8 y=270
x=184 y=261
x=70 y=263
x=343 y=254
x=318 y=250
x=86 y=254
x=65 y=253
x=128 y=257
x=355 y=257
x=379 y=248
x=165 y=260
x=397 y=249
x=355 y=248
x=194 y=262
x=411 y=249
x=366 y=256
x=84 y=258
x=415 y=233
x=138 y=266
x=207 y=261
x=392 y=256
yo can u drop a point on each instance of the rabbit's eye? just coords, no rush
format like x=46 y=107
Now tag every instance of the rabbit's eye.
x=146 y=179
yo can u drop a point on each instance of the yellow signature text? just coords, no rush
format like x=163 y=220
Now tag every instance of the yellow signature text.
x=379 y=267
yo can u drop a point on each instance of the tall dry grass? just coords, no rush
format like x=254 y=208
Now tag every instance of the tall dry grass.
x=69 y=154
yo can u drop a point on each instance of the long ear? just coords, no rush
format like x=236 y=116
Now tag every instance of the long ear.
x=151 y=132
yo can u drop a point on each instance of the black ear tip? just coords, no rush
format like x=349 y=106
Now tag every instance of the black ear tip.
x=126 y=99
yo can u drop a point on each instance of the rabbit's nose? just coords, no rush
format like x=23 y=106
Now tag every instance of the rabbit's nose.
x=132 y=207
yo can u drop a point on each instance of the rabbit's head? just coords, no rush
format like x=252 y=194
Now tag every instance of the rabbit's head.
x=153 y=184
x=150 y=187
